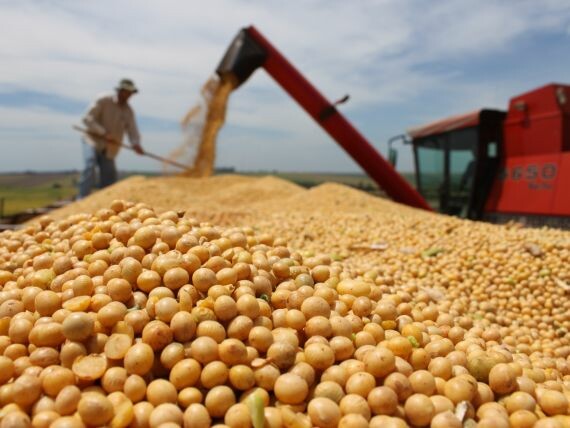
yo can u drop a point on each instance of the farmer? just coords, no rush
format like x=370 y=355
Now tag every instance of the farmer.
x=107 y=120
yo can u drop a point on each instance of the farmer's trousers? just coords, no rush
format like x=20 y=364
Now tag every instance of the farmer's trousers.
x=95 y=161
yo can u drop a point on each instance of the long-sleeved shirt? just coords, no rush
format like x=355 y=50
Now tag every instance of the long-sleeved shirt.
x=107 y=117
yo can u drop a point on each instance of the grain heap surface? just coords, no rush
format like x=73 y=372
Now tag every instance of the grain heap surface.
x=219 y=196
x=248 y=195
x=322 y=307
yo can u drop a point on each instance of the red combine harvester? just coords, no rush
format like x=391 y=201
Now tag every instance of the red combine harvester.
x=499 y=166
x=487 y=165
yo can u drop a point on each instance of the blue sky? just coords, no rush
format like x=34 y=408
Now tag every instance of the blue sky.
x=404 y=63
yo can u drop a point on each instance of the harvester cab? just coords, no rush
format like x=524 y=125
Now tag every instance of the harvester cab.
x=455 y=160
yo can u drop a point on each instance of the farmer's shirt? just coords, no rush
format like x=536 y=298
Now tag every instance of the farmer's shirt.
x=106 y=116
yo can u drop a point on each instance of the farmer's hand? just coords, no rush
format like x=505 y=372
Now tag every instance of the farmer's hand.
x=138 y=148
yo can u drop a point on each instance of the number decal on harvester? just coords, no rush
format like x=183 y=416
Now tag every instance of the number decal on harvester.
x=549 y=171
x=533 y=173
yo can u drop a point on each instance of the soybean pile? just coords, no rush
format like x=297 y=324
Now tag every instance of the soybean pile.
x=263 y=304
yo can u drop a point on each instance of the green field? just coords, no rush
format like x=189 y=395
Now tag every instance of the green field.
x=19 y=192
x=22 y=191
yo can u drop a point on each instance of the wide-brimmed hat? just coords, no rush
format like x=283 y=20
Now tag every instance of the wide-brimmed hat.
x=127 y=85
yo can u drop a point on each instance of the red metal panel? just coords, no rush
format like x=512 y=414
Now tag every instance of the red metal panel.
x=562 y=196
x=337 y=126
x=533 y=185
x=445 y=125
x=537 y=122
x=536 y=176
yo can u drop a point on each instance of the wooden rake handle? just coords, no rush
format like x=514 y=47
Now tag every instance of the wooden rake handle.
x=126 y=146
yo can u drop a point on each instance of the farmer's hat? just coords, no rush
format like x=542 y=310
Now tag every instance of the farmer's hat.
x=127 y=85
